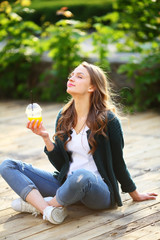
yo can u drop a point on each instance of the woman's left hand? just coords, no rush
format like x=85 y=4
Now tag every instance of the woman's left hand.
x=136 y=196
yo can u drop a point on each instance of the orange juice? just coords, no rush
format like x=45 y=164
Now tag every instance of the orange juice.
x=35 y=118
x=33 y=112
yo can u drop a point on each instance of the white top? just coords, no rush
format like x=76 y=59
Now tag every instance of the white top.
x=79 y=148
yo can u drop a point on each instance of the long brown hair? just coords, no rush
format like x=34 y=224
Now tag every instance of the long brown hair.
x=100 y=103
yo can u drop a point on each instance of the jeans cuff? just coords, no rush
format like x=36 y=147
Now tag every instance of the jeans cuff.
x=26 y=191
x=58 y=199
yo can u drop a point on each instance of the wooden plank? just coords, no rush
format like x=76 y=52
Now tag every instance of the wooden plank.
x=105 y=228
x=24 y=230
x=131 y=229
x=14 y=224
x=148 y=232
x=87 y=227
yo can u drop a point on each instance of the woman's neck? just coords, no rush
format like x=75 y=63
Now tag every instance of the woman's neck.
x=82 y=108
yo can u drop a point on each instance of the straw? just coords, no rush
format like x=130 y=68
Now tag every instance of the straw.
x=31 y=98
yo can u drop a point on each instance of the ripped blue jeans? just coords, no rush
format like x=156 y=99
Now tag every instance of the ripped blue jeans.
x=80 y=186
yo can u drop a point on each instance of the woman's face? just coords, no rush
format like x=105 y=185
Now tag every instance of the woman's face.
x=79 y=82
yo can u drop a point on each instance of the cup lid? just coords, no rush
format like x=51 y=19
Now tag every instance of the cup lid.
x=33 y=107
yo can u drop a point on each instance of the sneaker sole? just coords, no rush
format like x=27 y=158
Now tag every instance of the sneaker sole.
x=58 y=215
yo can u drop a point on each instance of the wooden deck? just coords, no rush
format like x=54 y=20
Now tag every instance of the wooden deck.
x=132 y=221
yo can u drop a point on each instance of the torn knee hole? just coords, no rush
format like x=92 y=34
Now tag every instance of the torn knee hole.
x=79 y=178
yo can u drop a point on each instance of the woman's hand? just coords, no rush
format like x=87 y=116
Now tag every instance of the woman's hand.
x=136 y=196
x=38 y=129
x=41 y=131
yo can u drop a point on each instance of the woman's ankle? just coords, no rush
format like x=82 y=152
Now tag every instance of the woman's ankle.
x=53 y=202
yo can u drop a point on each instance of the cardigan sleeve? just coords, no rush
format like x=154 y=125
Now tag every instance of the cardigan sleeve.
x=117 y=143
x=55 y=157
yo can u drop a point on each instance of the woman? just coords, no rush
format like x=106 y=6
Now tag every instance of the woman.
x=87 y=153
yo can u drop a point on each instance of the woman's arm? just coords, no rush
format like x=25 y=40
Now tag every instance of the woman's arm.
x=51 y=149
x=117 y=143
x=49 y=144
x=120 y=168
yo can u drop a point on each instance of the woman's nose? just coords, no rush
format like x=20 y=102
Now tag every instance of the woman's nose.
x=71 y=78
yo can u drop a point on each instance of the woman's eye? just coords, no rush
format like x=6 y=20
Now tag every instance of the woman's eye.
x=70 y=76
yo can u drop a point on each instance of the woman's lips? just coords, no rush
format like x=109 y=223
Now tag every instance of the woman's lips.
x=70 y=85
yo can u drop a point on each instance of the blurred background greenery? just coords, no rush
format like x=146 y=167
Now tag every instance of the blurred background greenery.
x=42 y=41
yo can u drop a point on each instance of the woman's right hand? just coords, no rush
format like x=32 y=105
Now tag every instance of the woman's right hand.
x=38 y=129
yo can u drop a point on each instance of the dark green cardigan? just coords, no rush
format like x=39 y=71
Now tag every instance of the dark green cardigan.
x=108 y=158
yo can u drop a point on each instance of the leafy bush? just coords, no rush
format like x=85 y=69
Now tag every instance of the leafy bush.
x=21 y=49
x=140 y=21
x=146 y=75
x=104 y=35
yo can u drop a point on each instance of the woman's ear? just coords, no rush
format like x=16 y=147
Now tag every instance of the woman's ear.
x=91 y=88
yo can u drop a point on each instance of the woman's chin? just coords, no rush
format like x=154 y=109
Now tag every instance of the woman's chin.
x=69 y=91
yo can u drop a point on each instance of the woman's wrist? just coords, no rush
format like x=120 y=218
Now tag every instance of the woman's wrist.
x=134 y=195
x=49 y=144
x=46 y=138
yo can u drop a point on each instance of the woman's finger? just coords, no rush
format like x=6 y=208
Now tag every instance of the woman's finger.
x=28 y=124
x=35 y=124
x=153 y=194
x=151 y=197
x=31 y=125
x=40 y=125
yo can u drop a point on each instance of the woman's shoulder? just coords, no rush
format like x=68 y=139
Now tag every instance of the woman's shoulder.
x=114 y=125
x=58 y=117
x=111 y=115
x=59 y=113
x=113 y=119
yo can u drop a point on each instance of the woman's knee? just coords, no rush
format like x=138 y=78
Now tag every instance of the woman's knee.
x=5 y=165
x=80 y=178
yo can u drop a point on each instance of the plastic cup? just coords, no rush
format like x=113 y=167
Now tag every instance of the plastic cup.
x=34 y=112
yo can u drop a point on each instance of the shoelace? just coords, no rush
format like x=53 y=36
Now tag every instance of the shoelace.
x=29 y=208
x=35 y=214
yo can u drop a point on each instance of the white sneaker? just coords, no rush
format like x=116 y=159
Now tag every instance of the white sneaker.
x=21 y=206
x=55 y=215
x=47 y=199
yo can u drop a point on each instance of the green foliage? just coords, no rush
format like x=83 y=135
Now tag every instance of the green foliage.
x=131 y=28
x=146 y=75
x=101 y=38
x=140 y=19
x=21 y=49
